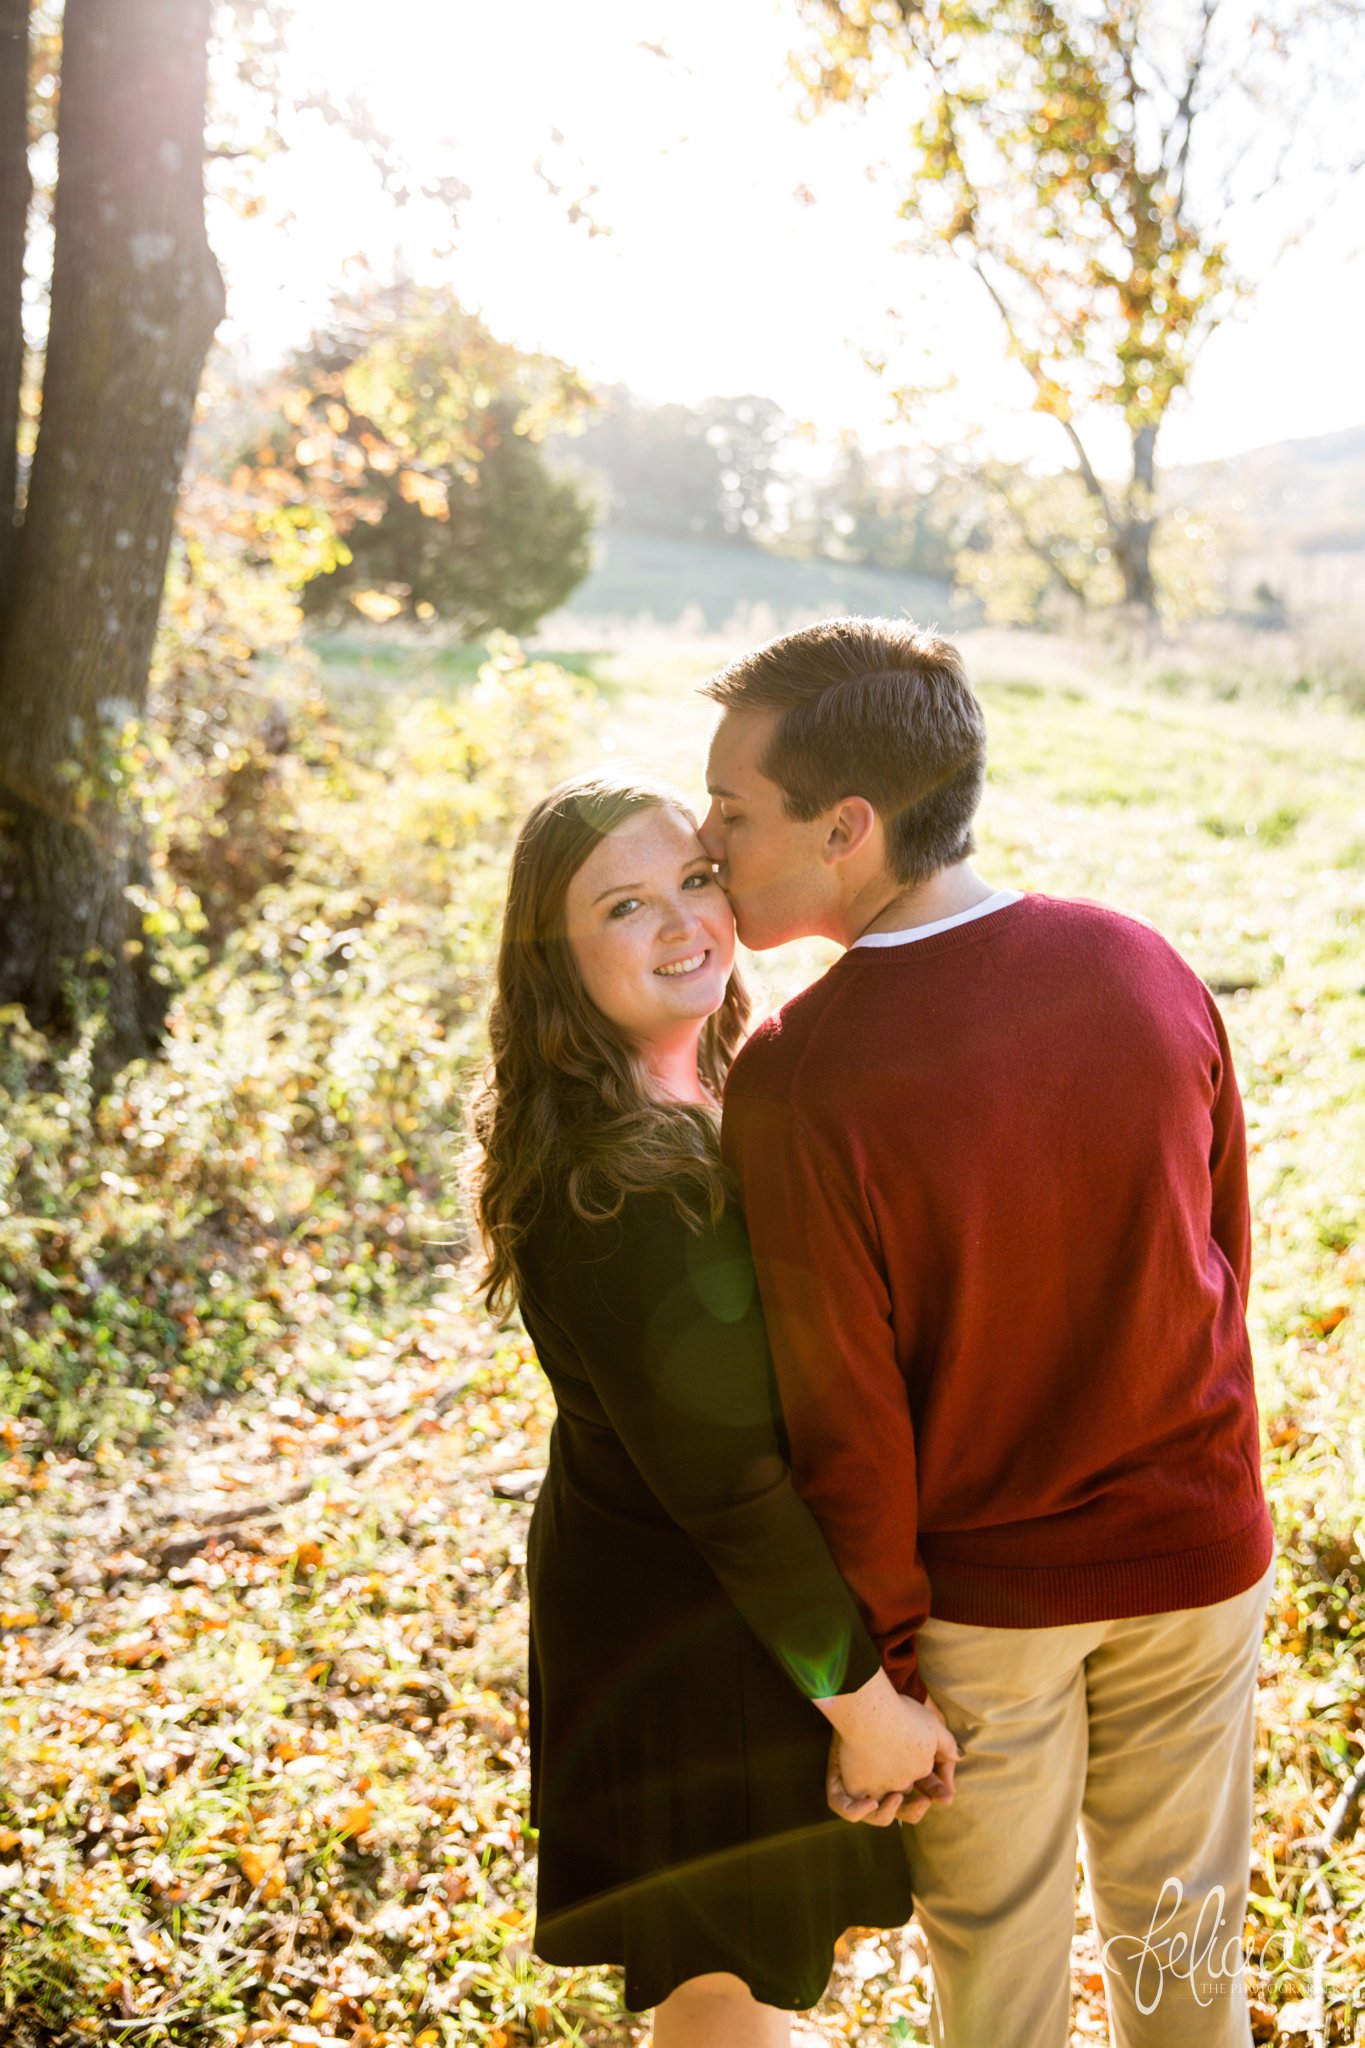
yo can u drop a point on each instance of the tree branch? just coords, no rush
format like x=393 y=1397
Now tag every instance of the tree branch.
x=1045 y=550
x=1030 y=361
x=1184 y=113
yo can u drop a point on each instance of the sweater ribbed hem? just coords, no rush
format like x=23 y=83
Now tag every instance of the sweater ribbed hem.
x=1054 y=1596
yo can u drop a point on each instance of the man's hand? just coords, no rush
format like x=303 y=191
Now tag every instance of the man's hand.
x=894 y=1770
x=878 y=1813
x=939 y=1788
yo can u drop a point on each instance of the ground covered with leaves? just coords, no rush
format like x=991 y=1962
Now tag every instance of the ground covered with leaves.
x=265 y=1469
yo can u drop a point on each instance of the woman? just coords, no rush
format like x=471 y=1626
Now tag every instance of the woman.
x=686 y=1617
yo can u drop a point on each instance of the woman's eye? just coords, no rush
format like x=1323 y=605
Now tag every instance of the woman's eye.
x=624 y=907
x=701 y=880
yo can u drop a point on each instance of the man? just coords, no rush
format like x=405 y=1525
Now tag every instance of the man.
x=993 y=1166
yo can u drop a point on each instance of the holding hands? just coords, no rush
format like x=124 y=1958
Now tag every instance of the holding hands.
x=891 y=1757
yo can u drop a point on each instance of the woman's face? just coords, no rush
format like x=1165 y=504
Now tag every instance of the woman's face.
x=650 y=928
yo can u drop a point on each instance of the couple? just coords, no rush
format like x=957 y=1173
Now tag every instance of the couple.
x=906 y=1458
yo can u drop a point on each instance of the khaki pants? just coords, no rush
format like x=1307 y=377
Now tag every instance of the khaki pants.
x=1140 y=1732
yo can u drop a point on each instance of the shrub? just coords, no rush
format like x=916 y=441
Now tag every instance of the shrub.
x=220 y=1214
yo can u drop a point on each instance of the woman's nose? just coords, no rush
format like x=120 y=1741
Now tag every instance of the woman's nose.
x=680 y=919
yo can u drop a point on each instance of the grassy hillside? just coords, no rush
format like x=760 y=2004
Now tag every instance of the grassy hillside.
x=706 y=586
x=261 y=1613
x=1308 y=496
x=1290 y=521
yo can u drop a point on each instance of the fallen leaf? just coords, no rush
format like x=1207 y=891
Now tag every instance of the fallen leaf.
x=355 y=1820
x=258 y=1859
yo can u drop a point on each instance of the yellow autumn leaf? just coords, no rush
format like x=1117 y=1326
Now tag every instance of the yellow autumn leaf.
x=374 y=605
x=258 y=1859
x=355 y=1820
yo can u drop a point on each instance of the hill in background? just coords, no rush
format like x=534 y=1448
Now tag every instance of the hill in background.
x=705 y=586
x=1307 y=496
x=1290 y=518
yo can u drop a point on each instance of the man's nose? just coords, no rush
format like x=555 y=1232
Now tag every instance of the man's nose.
x=711 y=835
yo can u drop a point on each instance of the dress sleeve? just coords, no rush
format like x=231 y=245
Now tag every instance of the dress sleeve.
x=668 y=1326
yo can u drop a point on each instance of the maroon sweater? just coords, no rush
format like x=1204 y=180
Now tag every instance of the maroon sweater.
x=995 y=1183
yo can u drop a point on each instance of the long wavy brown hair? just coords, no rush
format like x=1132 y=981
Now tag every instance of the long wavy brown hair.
x=565 y=1111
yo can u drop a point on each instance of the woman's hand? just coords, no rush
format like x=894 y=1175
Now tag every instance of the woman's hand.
x=890 y=1757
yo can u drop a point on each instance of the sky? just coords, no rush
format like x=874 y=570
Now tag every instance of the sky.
x=743 y=250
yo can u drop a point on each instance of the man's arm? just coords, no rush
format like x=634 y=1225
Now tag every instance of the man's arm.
x=844 y=1399
x=1231 y=1215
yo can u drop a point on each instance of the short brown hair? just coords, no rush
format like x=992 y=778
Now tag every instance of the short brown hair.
x=876 y=708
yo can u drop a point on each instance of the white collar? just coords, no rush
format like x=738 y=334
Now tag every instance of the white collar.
x=999 y=901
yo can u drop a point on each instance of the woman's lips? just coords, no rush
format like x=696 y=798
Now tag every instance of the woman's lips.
x=678 y=970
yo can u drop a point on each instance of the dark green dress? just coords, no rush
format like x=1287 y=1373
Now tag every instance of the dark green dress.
x=684 y=1612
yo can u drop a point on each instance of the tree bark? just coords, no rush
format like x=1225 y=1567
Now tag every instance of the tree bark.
x=16 y=189
x=1133 y=533
x=136 y=297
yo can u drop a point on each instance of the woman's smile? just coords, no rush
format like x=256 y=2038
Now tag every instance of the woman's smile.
x=691 y=965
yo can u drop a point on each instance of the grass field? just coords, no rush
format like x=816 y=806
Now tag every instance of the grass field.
x=705 y=586
x=264 y=1776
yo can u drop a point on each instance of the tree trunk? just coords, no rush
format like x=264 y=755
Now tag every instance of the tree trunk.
x=15 y=193
x=136 y=296
x=1133 y=535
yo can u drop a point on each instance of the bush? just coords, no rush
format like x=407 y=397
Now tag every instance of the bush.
x=407 y=473
x=218 y=1216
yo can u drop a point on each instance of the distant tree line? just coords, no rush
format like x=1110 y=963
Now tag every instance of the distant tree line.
x=731 y=470
x=421 y=467
x=1029 y=546
x=707 y=472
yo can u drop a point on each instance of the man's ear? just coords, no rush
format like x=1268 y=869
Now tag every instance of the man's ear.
x=850 y=828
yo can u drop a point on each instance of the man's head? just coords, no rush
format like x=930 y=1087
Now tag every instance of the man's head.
x=849 y=759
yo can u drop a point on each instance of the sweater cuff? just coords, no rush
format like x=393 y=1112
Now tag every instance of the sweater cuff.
x=902 y=1668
